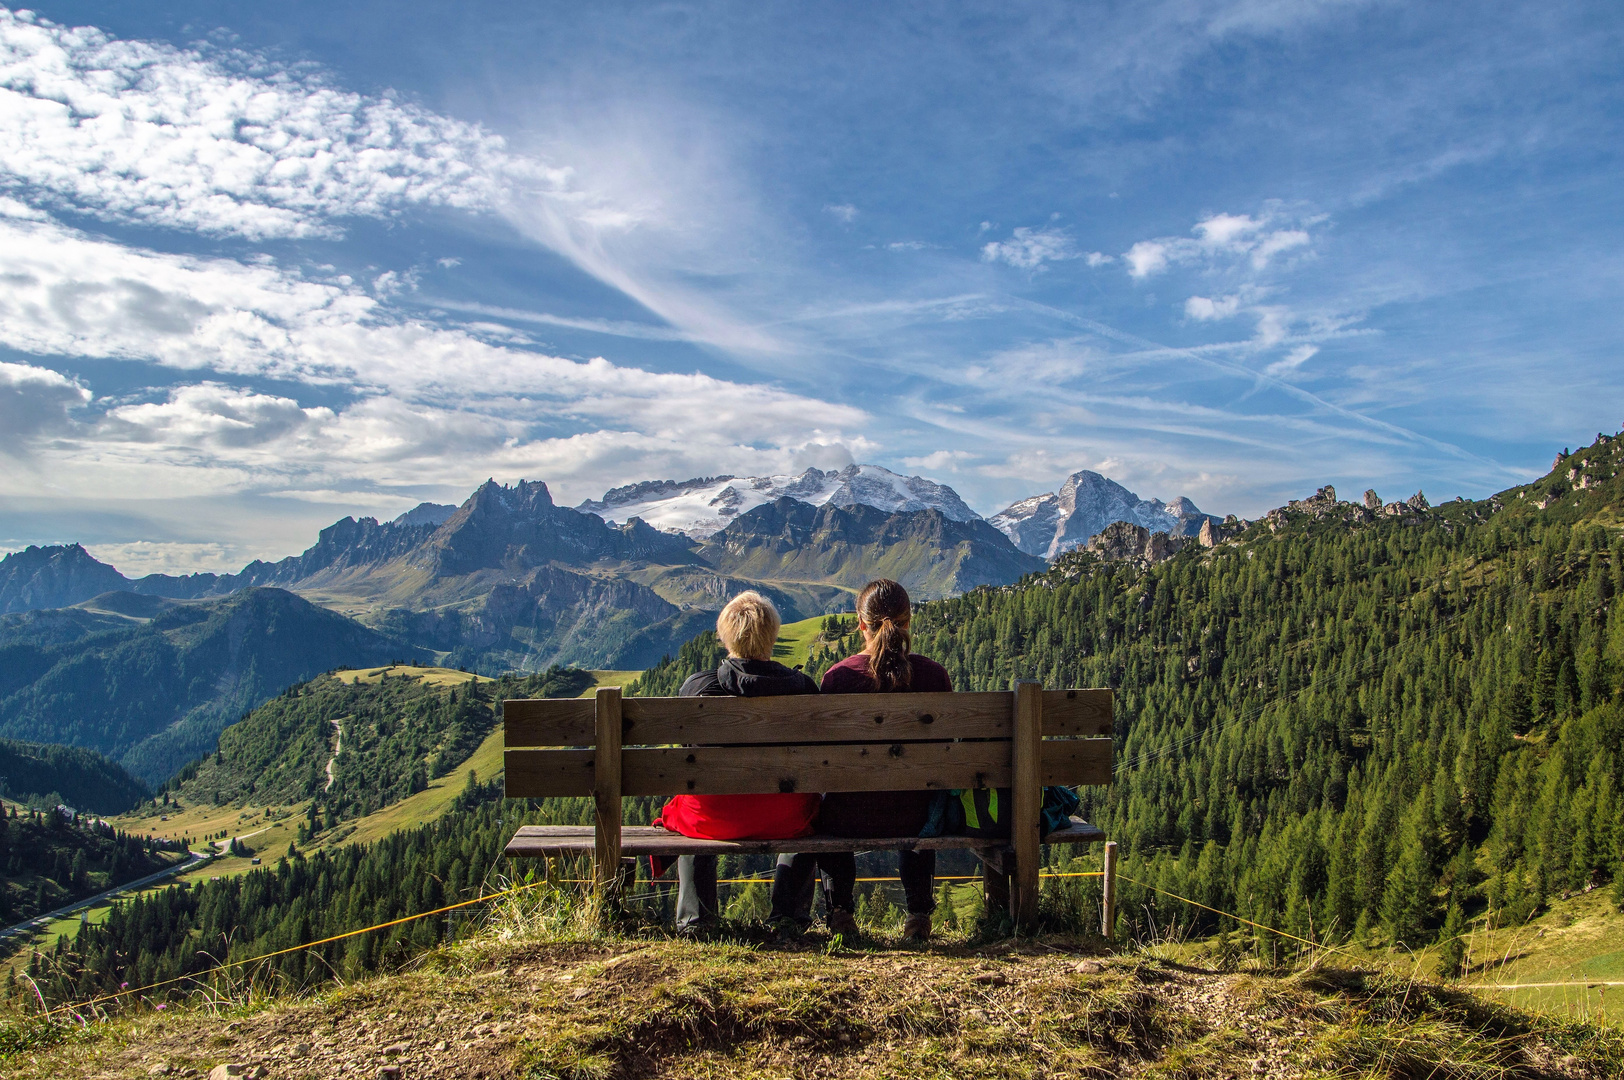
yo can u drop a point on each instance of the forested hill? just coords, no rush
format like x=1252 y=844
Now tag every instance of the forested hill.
x=356 y=741
x=154 y=690
x=45 y=775
x=50 y=859
x=1348 y=720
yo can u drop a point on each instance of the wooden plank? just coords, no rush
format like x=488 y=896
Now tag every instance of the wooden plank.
x=606 y=787
x=834 y=718
x=540 y=774
x=547 y=774
x=1025 y=819
x=1069 y=762
x=825 y=718
x=1077 y=714
x=745 y=770
x=548 y=721
x=552 y=841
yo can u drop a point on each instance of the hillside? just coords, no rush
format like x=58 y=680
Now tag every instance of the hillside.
x=154 y=693
x=1353 y=720
x=532 y=996
x=50 y=859
x=45 y=775
x=353 y=742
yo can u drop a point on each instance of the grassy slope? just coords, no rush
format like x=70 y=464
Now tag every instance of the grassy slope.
x=520 y=1001
x=795 y=641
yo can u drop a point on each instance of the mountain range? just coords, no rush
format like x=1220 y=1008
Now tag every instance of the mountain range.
x=703 y=506
x=149 y=670
x=151 y=682
x=1058 y=522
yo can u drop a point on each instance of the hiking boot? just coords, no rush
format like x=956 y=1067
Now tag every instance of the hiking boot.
x=842 y=922
x=786 y=928
x=699 y=929
x=917 y=928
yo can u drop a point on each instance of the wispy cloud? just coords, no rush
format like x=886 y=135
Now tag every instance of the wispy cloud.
x=1029 y=248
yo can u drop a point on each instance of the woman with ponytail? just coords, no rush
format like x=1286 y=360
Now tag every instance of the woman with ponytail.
x=885 y=666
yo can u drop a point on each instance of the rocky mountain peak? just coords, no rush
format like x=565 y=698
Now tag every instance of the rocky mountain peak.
x=1086 y=503
x=52 y=577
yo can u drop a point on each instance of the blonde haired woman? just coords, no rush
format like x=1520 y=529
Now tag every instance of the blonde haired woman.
x=748 y=628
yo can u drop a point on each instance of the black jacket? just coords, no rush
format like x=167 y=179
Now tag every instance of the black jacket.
x=748 y=678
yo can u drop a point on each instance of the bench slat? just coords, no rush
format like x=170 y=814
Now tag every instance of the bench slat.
x=1077 y=714
x=729 y=770
x=548 y=721
x=827 y=718
x=556 y=840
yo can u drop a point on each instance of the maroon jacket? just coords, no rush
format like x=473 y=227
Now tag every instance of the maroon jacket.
x=878 y=813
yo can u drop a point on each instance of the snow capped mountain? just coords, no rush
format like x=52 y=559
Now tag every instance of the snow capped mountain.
x=1087 y=502
x=705 y=505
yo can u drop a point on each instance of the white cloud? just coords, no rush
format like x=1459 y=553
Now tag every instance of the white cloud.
x=141 y=557
x=211 y=415
x=1203 y=308
x=1098 y=258
x=433 y=405
x=231 y=144
x=844 y=212
x=1221 y=240
x=1029 y=249
x=147 y=132
x=35 y=401
x=1293 y=360
x=1145 y=258
x=940 y=460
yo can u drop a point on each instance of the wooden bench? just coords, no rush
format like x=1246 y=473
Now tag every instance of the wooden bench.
x=608 y=747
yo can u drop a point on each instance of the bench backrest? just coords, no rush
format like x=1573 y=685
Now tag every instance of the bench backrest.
x=812 y=743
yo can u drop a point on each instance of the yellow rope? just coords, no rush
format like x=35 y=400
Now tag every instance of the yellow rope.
x=295 y=948
x=1227 y=915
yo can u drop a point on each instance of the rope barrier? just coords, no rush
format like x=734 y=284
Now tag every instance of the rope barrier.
x=1227 y=915
x=90 y=1003
x=296 y=948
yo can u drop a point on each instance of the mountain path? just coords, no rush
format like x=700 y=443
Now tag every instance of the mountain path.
x=338 y=745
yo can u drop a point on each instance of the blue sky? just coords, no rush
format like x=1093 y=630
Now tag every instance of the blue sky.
x=266 y=265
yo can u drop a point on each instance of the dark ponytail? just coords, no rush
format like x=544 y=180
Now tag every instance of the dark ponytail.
x=884 y=608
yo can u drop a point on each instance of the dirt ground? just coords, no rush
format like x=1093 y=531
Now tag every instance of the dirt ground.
x=681 y=1009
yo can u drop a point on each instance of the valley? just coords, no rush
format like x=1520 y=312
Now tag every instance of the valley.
x=1394 y=731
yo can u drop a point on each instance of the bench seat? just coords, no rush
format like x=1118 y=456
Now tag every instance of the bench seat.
x=551 y=841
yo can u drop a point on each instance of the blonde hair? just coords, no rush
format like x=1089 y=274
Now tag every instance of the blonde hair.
x=748 y=626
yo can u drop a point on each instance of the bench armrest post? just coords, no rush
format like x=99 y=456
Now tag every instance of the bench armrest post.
x=606 y=787
x=1108 y=891
x=1026 y=821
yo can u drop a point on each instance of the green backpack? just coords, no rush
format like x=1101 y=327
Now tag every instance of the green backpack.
x=985 y=812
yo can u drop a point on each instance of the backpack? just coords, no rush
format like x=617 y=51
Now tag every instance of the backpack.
x=984 y=812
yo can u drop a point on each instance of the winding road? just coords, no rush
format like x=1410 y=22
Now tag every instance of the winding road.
x=40 y=922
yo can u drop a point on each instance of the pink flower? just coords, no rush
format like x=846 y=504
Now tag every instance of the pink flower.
x=162 y=1006
x=124 y=986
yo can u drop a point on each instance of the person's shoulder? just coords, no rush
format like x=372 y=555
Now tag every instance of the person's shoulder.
x=850 y=676
x=928 y=675
x=701 y=684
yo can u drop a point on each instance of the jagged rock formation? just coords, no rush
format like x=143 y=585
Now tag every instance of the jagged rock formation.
x=930 y=553
x=1324 y=504
x=1086 y=503
x=53 y=577
x=703 y=506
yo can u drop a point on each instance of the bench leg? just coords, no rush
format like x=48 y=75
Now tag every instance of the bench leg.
x=994 y=890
